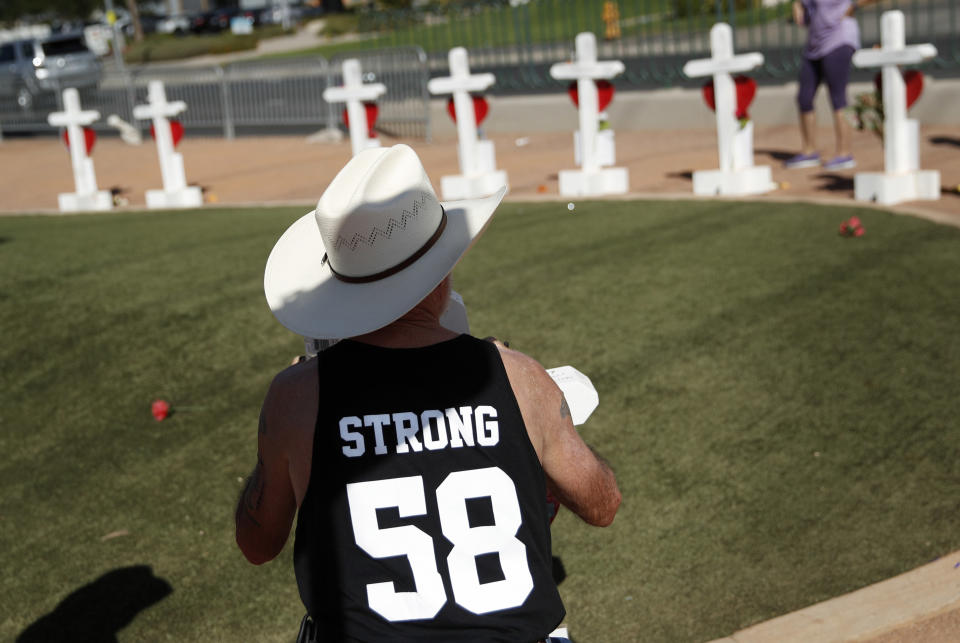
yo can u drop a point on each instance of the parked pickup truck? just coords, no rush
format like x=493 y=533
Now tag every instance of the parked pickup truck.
x=31 y=67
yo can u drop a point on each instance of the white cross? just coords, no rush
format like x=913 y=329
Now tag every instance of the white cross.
x=160 y=111
x=74 y=119
x=460 y=83
x=721 y=65
x=354 y=92
x=586 y=70
x=893 y=52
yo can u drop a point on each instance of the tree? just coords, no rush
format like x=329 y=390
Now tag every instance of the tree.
x=135 y=20
x=61 y=10
x=13 y=10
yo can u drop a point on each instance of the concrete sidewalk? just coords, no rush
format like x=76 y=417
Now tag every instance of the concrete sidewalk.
x=920 y=606
x=293 y=170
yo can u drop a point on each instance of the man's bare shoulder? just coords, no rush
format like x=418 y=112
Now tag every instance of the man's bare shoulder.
x=538 y=396
x=292 y=395
x=297 y=375
x=517 y=362
x=524 y=372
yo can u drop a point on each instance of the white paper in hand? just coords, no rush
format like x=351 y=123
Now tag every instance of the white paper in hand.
x=455 y=316
x=577 y=388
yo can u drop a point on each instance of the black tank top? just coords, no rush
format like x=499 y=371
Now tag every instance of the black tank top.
x=424 y=518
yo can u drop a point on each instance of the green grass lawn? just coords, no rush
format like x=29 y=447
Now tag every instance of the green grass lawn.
x=165 y=47
x=780 y=404
x=545 y=22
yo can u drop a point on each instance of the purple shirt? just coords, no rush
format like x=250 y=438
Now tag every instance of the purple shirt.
x=828 y=27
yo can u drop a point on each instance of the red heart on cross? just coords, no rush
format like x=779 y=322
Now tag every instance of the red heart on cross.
x=176 y=132
x=708 y=97
x=480 y=108
x=372 y=110
x=89 y=138
x=912 y=78
x=746 y=88
x=604 y=94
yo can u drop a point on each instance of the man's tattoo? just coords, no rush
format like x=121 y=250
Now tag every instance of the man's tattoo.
x=564 y=408
x=253 y=495
x=242 y=506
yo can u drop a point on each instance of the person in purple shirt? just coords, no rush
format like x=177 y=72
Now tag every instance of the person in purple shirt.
x=832 y=37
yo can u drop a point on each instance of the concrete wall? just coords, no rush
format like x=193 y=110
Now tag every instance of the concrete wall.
x=677 y=108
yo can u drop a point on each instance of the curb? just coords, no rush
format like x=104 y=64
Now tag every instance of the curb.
x=875 y=610
x=921 y=213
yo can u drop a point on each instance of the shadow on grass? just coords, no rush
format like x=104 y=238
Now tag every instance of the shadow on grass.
x=97 y=611
x=558 y=570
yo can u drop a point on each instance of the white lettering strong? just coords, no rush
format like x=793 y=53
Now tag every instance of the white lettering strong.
x=406 y=432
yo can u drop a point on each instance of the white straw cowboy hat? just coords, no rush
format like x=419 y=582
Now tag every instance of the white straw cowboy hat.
x=378 y=242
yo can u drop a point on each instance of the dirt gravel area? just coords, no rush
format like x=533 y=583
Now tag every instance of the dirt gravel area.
x=292 y=170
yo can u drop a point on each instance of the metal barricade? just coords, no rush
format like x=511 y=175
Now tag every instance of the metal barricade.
x=519 y=40
x=241 y=95
x=201 y=88
x=285 y=92
x=252 y=96
x=14 y=118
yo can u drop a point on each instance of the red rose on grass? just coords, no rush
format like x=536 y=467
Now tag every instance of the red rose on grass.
x=160 y=409
x=852 y=227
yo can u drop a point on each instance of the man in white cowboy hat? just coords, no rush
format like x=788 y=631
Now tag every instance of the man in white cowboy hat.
x=418 y=458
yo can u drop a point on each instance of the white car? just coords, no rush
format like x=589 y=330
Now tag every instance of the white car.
x=178 y=25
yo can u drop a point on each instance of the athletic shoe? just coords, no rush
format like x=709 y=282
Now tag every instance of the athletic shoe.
x=802 y=160
x=840 y=163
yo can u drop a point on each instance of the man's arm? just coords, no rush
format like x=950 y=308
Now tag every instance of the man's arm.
x=576 y=475
x=268 y=504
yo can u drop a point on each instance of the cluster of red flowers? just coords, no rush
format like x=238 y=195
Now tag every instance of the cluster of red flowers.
x=852 y=228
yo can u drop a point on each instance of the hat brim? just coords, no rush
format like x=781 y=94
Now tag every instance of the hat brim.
x=308 y=299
